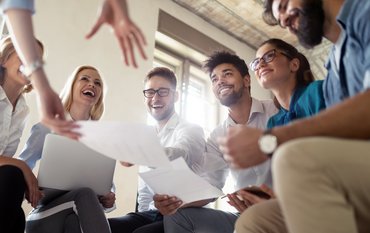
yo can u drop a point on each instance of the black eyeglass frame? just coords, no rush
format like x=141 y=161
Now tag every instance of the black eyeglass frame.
x=266 y=59
x=158 y=92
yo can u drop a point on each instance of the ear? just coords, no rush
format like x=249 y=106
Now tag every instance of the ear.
x=294 y=64
x=247 y=81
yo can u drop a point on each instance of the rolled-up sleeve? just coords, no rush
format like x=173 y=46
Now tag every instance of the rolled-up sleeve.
x=17 y=4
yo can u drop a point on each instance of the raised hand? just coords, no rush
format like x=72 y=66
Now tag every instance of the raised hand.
x=115 y=14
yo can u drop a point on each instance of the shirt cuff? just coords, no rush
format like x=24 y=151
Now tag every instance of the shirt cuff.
x=367 y=80
x=17 y=4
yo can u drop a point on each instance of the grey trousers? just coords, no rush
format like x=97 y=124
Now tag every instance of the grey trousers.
x=77 y=211
x=200 y=220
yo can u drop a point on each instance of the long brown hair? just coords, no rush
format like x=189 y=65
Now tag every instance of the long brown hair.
x=304 y=73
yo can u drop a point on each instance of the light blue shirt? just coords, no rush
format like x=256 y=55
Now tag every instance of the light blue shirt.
x=352 y=75
x=17 y=4
x=32 y=151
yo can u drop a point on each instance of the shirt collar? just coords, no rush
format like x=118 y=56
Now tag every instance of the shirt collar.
x=345 y=12
x=171 y=123
x=2 y=93
x=256 y=108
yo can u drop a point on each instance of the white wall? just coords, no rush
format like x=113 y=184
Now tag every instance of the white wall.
x=61 y=25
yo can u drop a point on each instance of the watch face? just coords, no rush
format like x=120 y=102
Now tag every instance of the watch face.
x=268 y=143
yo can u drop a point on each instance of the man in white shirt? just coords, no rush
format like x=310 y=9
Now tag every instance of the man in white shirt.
x=179 y=138
x=231 y=85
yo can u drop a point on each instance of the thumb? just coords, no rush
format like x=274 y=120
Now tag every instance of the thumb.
x=94 y=29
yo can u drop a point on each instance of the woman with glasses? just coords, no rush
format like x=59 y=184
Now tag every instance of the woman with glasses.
x=280 y=68
x=79 y=210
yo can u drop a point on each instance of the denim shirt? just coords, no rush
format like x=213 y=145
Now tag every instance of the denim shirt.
x=353 y=75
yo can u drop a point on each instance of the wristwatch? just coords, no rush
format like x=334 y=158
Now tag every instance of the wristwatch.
x=268 y=143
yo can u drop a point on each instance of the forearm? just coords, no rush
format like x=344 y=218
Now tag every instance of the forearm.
x=4 y=160
x=19 y=23
x=349 y=119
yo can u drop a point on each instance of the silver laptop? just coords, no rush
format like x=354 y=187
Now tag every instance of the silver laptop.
x=67 y=165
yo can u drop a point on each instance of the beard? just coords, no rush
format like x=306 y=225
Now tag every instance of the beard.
x=166 y=114
x=232 y=98
x=311 y=24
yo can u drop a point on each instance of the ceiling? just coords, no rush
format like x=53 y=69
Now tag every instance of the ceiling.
x=242 y=20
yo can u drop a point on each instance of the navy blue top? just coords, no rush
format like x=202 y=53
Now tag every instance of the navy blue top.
x=306 y=101
x=352 y=76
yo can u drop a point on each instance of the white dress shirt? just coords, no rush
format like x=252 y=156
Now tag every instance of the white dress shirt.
x=180 y=139
x=217 y=169
x=11 y=123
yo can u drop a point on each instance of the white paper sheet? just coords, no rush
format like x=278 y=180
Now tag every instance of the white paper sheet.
x=181 y=182
x=132 y=143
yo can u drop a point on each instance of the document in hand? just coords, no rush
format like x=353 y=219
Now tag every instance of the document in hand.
x=180 y=181
x=132 y=143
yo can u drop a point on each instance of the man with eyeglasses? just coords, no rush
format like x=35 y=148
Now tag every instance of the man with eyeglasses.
x=231 y=86
x=321 y=164
x=179 y=138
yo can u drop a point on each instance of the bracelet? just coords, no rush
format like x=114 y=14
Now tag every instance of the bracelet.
x=31 y=68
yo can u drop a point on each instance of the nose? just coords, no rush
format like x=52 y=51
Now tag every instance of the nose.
x=91 y=84
x=284 y=20
x=261 y=63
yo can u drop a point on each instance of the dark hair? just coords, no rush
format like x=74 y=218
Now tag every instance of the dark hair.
x=221 y=57
x=163 y=72
x=267 y=15
x=304 y=73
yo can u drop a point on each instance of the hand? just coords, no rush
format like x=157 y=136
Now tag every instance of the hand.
x=254 y=199
x=51 y=108
x=115 y=14
x=108 y=200
x=239 y=205
x=240 y=147
x=33 y=194
x=126 y=164
x=166 y=205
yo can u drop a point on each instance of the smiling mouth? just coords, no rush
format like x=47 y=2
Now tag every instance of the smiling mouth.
x=224 y=89
x=157 y=106
x=88 y=93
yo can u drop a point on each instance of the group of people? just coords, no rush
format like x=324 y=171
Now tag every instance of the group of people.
x=306 y=148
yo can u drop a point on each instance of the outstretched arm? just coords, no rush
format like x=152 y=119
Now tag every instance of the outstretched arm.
x=19 y=23
x=349 y=119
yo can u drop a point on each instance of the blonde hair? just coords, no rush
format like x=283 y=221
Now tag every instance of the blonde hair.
x=67 y=93
x=6 y=49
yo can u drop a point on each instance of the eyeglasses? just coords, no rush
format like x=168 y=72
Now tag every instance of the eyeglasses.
x=267 y=58
x=162 y=92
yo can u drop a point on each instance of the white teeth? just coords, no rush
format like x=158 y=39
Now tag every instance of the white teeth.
x=89 y=92
x=157 y=106
x=224 y=89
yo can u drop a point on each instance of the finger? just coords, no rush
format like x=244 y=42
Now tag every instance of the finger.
x=160 y=198
x=267 y=190
x=137 y=35
x=123 y=47
x=94 y=29
x=253 y=199
x=131 y=50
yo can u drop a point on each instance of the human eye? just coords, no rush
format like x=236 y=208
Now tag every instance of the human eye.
x=228 y=73
x=84 y=78
x=98 y=83
x=269 y=56
x=163 y=91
